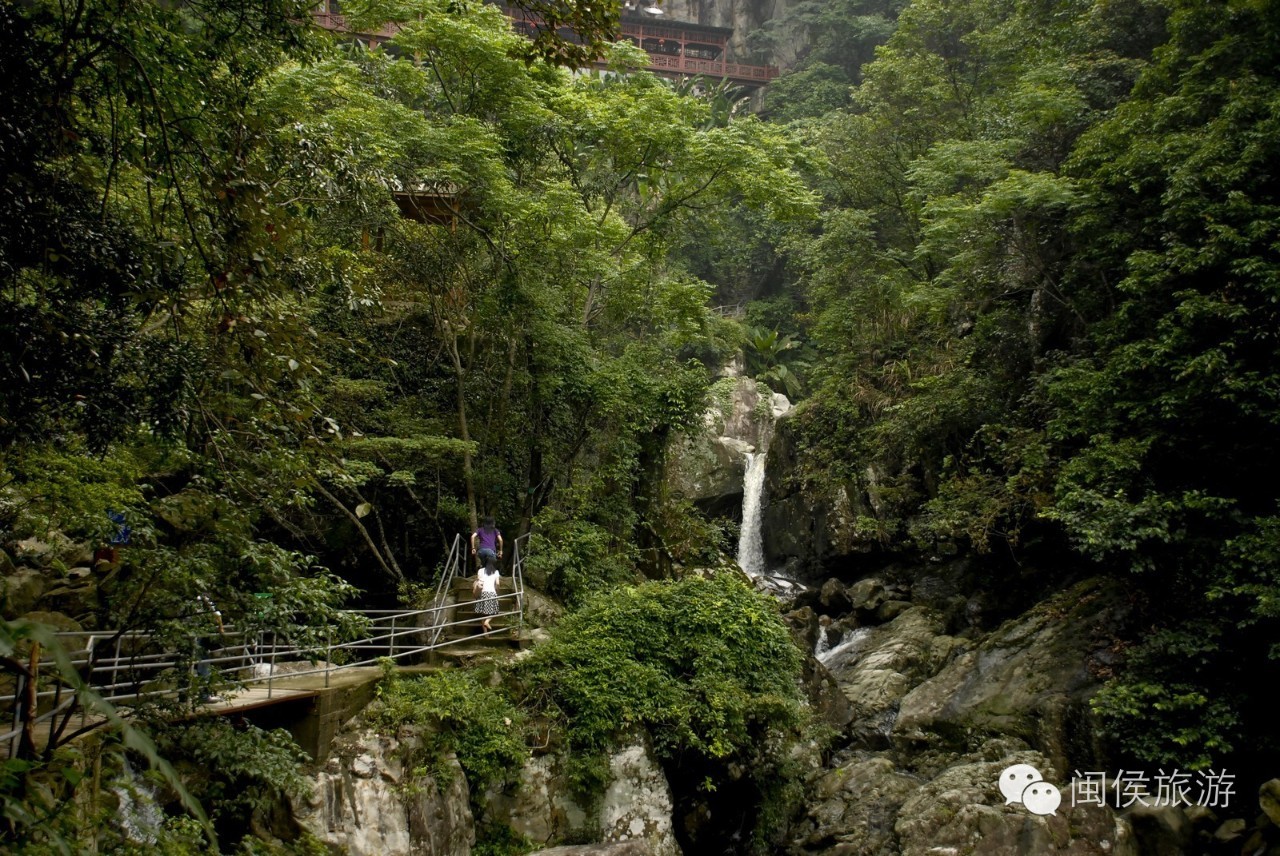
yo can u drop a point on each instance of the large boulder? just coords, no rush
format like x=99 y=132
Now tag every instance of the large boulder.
x=1030 y=679
x=1269 y=800
x=853 y=808
x=963 y=811
x=876 y=667
x=20 y=591
x=366 y=803
x=708 y=465
x=545 y=808
x=637 y=804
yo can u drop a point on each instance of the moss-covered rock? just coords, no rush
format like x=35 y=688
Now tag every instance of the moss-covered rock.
x=1030 y=679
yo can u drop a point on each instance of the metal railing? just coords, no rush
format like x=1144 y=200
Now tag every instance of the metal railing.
x=130 y=668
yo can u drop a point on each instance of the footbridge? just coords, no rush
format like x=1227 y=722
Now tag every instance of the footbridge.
x=87 y=678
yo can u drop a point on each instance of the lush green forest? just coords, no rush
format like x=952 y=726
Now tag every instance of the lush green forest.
x=1019 y=263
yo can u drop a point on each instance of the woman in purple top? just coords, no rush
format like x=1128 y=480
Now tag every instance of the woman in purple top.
x=486 y=542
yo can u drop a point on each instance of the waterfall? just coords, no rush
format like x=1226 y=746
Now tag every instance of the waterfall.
x=750 y=541
x=139 y=817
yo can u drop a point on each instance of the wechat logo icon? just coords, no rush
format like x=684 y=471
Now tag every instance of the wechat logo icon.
x=1022 y=783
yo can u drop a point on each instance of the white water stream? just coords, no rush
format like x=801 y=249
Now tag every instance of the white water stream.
x=751 y=540
x=139 y=816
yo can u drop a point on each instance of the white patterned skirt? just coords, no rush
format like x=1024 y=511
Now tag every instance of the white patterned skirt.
x=488 y=604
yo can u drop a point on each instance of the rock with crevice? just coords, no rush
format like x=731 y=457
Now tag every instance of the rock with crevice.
x=1030 y=679
x=854 y=807
x=544 y=807
x=892 y=659
x=541 y=806
x=365 y=803
x=708 y=465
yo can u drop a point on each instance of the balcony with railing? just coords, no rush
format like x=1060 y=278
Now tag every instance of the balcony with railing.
x=675 y=48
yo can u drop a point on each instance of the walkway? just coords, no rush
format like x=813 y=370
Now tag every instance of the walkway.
x=125 y=669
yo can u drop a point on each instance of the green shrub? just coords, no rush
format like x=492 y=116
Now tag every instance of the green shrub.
x=238 y=772
x=704 y=665
x=455 y=713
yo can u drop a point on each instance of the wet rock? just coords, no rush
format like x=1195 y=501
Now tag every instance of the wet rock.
x=708 y=466
x=867 y=595
x=891 y=609
x=1029 y=679
x=804 y=624
x=825 y=696
x=854 y=807
x=6 y=564
x=893 y=659
x=1231 y=830
x=834 y=597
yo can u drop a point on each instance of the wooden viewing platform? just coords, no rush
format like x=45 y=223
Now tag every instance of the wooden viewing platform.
x=676 y=49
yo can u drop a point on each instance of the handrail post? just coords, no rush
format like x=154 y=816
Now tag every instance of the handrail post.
x=115 y=663
x=271 y=668
x=393 y=637
x=328 y=654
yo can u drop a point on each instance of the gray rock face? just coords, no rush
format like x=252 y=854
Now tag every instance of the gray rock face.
x=364 y=805
x=1030 y=679
x=855 y=807
x=542 y=806
x=869 y=807
x=637 y=804
x=708 y=466
x=938 y=718
x=962 y=811
x=876 y=667
x=635 y=810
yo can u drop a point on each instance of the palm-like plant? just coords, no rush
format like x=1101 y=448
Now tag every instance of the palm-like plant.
x=773 y=358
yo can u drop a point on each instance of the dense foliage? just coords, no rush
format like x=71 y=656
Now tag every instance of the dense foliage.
x=1044 y=299
x=297 y=312
x=704 y=669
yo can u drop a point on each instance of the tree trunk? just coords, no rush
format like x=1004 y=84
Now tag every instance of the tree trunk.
x=459 y=375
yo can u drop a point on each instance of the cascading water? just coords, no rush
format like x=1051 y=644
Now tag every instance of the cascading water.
x=750 y=540
x=139 y=816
